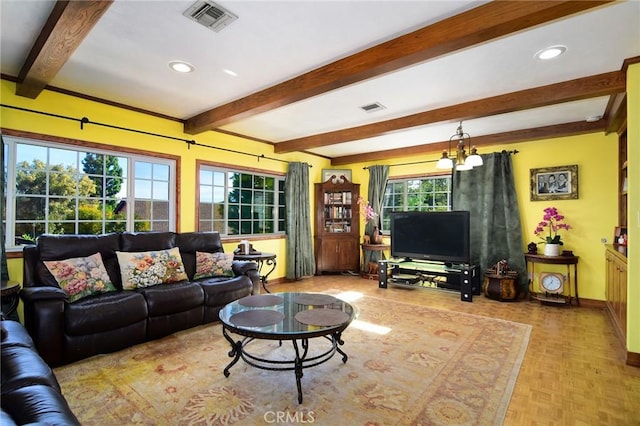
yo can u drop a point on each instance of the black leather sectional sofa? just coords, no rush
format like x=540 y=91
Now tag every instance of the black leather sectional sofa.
x=64 y=332
x=30 y=393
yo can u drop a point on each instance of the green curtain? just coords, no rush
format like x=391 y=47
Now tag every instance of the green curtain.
x=300 y=260
x=489 y=193
x=378 y=176
x=3 y=260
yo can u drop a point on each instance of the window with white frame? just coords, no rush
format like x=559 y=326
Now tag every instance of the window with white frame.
x=429 y=193
x=235 y=202
x=66 y=189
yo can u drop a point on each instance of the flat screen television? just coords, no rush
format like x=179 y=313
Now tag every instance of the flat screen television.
x=432 y=236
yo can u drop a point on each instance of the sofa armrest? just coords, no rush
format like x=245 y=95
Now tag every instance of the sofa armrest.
x=243 y=267
x=250 y=269
x=44 y=320
x=32 y=294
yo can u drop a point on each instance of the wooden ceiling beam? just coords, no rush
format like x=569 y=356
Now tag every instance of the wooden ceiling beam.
x=480 y=24
x=567 y=91
x=524 y=135
x=616 y=113
x=67 y=26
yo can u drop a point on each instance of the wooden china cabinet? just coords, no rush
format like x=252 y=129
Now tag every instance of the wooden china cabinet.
x=616 y=254
x=337 y=226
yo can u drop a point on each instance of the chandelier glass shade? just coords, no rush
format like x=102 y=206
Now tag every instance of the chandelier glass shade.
x=463 y=161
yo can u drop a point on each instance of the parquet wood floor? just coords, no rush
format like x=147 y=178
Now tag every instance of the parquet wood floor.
x=573 y=372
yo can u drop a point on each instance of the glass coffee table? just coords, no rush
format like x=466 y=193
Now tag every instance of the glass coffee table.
x=296 y=317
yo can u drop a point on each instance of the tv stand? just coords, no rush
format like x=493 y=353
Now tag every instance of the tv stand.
x=421 y=274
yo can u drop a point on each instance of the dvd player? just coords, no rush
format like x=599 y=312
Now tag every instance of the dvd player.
x=405 y=279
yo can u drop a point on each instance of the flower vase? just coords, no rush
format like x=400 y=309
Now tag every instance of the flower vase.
x=552 y=250
x=376 y=238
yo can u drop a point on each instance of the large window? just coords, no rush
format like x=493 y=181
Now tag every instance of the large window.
x=63 y=189
x=430 y=193
x=235 y=202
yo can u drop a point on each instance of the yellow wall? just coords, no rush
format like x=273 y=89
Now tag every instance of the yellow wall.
x=633 y=212
x=593 y=215
x=52 y=102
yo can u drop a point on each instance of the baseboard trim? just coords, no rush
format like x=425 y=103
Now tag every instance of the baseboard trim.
x=633 y=359
x=593 y=303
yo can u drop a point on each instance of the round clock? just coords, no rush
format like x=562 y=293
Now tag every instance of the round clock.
x=552 y=282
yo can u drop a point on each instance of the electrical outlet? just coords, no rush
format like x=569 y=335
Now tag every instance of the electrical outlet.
x=603 y=240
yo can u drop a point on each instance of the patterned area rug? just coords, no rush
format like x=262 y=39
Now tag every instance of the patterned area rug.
x=407 y=365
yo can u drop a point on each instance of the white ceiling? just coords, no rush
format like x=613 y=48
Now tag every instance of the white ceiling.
x=124 y=59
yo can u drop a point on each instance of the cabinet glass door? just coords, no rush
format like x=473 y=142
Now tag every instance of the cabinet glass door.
x=338 y=211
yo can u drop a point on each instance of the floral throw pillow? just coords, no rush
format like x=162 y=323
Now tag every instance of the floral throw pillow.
x=213 y=265
x=81 y=276
x=149 y=268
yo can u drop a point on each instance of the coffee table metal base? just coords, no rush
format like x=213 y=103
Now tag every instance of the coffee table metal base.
x=301 y=361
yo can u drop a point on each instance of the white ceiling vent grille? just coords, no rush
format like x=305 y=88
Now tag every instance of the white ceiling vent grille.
x=209 y=14
x=376 y=106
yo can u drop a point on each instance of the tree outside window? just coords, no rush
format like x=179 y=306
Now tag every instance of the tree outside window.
x=429 y=193
x=240 y=203
x=66 y=191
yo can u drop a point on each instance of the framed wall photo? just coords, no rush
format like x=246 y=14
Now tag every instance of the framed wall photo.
x=336 y=175
x=620 y=235
x=554 y=183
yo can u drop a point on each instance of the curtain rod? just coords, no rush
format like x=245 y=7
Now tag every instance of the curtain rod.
x=514 y=152
x=189 y=142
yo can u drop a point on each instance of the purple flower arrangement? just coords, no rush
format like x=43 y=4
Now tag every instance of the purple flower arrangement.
x=551 y=223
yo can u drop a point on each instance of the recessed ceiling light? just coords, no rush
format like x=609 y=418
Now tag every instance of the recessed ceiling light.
x=181 y=66
x=551 y=52
x=593 y=118
x=231 y=73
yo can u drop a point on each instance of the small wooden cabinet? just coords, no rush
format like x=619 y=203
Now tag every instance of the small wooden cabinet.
x=337 y=226
x=616 y=288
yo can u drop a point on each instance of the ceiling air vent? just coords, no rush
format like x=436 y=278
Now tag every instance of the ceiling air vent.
x=209 y=14
x=376 y=106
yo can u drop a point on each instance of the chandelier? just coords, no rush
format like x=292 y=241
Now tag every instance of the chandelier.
x=463 y=161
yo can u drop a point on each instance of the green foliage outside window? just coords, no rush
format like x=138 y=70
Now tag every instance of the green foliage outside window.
x=417 y=194
x=59 y=199
x=240 y=203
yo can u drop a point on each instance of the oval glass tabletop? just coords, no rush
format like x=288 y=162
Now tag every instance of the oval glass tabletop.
x=288 y=314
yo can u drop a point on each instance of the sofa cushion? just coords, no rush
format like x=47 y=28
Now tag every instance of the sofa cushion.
x=149 y=268
x=5 y=419
x=213 y=265
x=191 y=242
x=220 y=292
x=170 y=299
x=81 y=276
x=14 y=334
x=146 y=241
x=38 y=404
x=104 y=312
x=22 y=366
x=58 y=247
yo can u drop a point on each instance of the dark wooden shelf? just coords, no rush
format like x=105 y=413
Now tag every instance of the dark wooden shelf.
x=560 y=299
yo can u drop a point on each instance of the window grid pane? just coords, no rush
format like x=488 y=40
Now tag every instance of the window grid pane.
x=430 y=193
x=63 y=189
x=249 y=207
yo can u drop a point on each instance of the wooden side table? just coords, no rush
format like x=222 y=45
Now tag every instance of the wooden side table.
x=261 y=259
x=9 y=296
x=364 y=269
x=532 y=259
